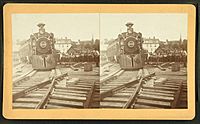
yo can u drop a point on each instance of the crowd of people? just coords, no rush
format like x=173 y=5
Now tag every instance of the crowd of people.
x=179 y=56
x=83 y=57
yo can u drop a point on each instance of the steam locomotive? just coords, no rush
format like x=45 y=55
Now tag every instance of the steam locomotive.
x=127 y=49
x=43 y=51
x=40 y=50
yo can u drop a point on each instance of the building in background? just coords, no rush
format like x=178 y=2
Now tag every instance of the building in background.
x=83 y=47
x=113 y=50
x=151 y=44
x=63 y=45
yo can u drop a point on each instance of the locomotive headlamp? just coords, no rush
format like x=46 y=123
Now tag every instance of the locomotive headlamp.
x=43 y=44
x=131 y=44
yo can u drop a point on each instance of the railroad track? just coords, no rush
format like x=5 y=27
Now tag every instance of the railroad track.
x=59 y=92
x=120 y=90
x=120 y=77
x=166 y=94
x=28 y=80
x=146 y=93
x=23 y=77
x=27 y=90
x=79 y=94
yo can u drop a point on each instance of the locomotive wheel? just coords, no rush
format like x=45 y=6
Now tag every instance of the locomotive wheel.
x=131 y=45
x=43 y=45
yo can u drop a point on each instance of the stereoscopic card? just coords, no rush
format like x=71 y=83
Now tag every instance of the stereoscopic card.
x=99 y=61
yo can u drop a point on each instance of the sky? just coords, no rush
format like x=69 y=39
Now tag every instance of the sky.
x=102 y=26
x=162 y=26
x=73 y=26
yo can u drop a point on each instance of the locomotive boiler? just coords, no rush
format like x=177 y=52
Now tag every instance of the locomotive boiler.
x=42 y=48
x=131 y=52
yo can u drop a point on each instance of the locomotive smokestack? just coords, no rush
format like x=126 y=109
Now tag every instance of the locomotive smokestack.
x=41 y=28
x=41 y=25
x=129 y=25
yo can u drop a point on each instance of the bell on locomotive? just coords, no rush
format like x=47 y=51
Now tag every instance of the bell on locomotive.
x=43 y=51
x=131 y=50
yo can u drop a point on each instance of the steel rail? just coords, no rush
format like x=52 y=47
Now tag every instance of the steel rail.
x=89 y=96
x=44 y=100
x=119 y=88
x=22 y=77
x=132 y=98
x=28 y=90
x=110 y=77
x=177 y=96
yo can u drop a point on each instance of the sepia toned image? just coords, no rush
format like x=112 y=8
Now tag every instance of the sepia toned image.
x=143 y=64
x=55 y=61
x=143 y=61
x=99 y=61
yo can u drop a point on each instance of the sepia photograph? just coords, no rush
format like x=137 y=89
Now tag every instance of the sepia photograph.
x=143 y=63
x=98 y=61
x=55 y=61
